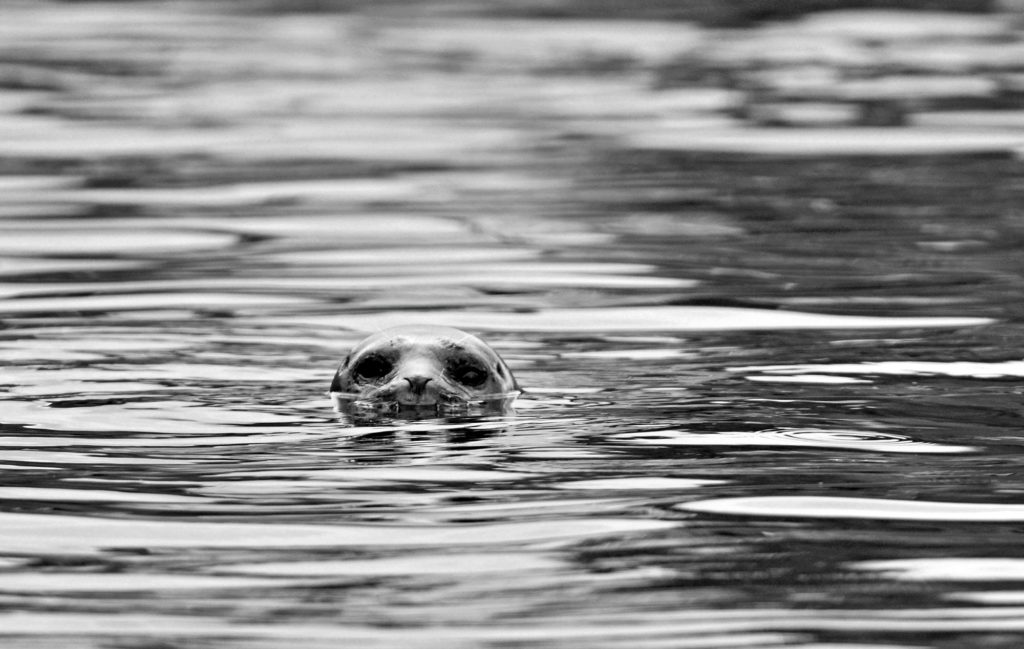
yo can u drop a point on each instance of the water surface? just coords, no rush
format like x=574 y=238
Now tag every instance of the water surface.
x=766 y=311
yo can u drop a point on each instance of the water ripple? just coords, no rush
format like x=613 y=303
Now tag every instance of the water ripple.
x=947 y=569
x=639 y=484
x=855 y=440
x=693 y=629
x=169 y=417
x=55 y=534
x=107 y=240
x=651 y=318
x=959 y=369
x=70 y=582
x=463 y=563
x=866 y=508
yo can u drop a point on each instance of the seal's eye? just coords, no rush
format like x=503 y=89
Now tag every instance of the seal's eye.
x=469 y=374
x=372 y=368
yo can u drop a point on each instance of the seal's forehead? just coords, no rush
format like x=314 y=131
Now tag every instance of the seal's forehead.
x=405 y=337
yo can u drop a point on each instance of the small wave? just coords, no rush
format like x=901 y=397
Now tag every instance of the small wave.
x=55 y=534
x=856 y=440
x=639 y=484
x=444 y=564
x=632 y=354
x=947 y=569
x=959 y=369
x=66 y=582
x=861 y=508
x=161 y=417
x=827 y=379
x=91 y=496
x=633 y=319
x=107 y=240
x=147 y=301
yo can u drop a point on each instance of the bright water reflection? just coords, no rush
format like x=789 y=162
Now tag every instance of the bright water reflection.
x=770 y=400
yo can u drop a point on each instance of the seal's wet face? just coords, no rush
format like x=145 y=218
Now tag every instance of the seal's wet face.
x=428 y=368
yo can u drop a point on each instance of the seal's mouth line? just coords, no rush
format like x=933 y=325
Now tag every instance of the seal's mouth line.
x=369 y=406
x=355 y=396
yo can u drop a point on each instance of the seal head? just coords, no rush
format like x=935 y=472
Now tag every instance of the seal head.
x=423 y=368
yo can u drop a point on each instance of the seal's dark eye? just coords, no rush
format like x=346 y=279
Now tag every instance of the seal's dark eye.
x=468 y=374
x=372 y=368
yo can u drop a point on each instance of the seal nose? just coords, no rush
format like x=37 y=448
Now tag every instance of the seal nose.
x=417 y=383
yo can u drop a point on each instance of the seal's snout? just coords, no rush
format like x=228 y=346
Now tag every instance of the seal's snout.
x=417 y=380
x=416 y=390
x=417 y=384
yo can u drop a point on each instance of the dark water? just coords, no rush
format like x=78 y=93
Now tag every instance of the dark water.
x=762 y=288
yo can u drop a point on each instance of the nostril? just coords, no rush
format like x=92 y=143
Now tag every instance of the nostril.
x=417 y=383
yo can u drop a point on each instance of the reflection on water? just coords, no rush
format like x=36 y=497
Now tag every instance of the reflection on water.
x=760 y=282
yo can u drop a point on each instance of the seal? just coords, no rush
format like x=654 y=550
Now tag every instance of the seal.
x=424 y=368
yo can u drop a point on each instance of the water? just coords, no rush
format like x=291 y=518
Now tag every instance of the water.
x=761 y=287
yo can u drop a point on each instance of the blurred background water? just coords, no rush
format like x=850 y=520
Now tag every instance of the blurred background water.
x=758 y=268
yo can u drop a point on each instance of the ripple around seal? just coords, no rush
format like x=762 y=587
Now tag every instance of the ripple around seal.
x=854 y=440
x=860 y=508
x=52 y=534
